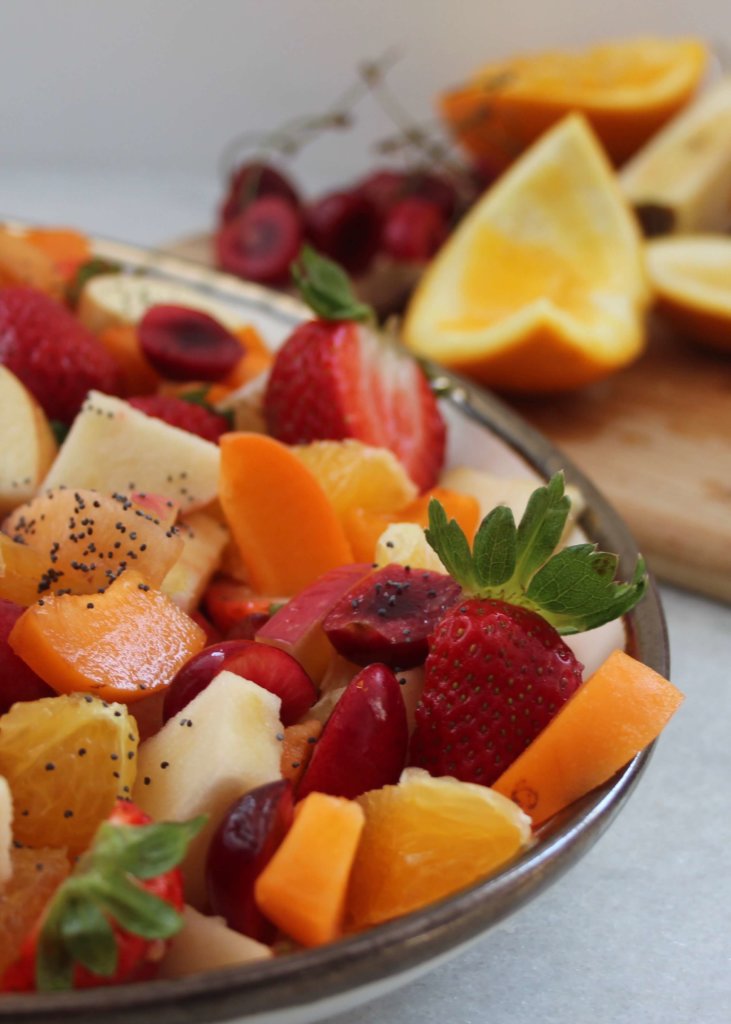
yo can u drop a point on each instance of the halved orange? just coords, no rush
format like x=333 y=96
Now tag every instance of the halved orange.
x=627 y=89
x=542 y=287
x=692 y=279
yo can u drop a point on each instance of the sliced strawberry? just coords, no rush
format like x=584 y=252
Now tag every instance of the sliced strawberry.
x=52 y=353
x=196 y=419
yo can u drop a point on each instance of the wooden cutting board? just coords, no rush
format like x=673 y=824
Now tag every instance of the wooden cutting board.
x=656 y=439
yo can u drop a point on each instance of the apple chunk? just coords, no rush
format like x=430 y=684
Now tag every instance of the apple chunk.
x=204 y=539
x=222 y=744
x=29 y=446
x=205 y=943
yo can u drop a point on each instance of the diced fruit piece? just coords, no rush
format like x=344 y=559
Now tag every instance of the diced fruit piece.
x=627 y=89
x=223 y=744
x=88 y=539
x=261 y=241
x=413 y=230
x=206 y=943
x=297 y=748
x=66 y=760
x=187 y=344
x=124 y=644
x=137 y=375
x=17 y=681
x=425 y=839
x=29 y=446
x=228 y=601
x=542 y=303
x=22 y=263
x=346 y=227
x=22 y=572
x=67 y=248
x=406 y=544
x=390 y=614
x=6 y=834
x=113 y=447
x=297 y=626
x=54 y=355
x=680 y=181
x=353 y=474
x=204 y=539
x=183 y=414
x=364 y=743
x=303 y=887
x=621 y=708
x=253 y=179
x=241 y=847
x=267 y=666
x=285 y=528
x=36 y=874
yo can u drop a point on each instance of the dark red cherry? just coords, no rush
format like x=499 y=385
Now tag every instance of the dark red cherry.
x=435 y=188
x=240 y=849
x=364 y=743
x=260 y=243
x=345 y=226
x=18 y=682
x=187 y=344
x=250 y=181
x=384 y=188
x=413 y=230
x=268 y=666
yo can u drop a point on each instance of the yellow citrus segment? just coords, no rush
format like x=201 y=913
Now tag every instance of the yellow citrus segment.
x=628 y=89
x=357 y=475
x=66 y=760
x=542 y=287
x=425 y=839
x=692 y=280
x=36 y=875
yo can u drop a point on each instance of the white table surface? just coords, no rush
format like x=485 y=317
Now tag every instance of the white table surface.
x=639 y=931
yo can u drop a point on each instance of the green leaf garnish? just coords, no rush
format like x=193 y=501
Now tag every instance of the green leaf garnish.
x=84 y=273
x=105 y=889
x=199 y=396
x=326 y=288
x=573 y=589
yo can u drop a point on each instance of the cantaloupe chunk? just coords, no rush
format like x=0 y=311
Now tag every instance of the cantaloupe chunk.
x=304 y=886
x=621 y=708
x=206 y=943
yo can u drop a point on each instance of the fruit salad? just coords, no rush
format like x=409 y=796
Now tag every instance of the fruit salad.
x=270 y=674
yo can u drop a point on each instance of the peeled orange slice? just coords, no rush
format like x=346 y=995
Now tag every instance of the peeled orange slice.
x=692 y=279
x=542 y=287
x=627 y=89
x=426 y=838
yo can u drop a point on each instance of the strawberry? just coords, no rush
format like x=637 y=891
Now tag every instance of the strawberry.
x=182 y=413
x=497 y=669
x=108 y=921
x=52 y=353
x=336 y=377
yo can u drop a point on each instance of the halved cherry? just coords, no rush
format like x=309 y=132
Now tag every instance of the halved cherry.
x=267 y=666
x=187 y=344
x=364 y=743
x=413 y=230
x=260 y=243
x=345 y=226
x=252 y=180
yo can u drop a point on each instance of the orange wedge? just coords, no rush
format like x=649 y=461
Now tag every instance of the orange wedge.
x=627 y=90
x=542 y=287
x=692 y=280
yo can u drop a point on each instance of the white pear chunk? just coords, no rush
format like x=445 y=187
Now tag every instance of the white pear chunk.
x=114 y=447
x=222 y=744
x=29 y=446
x=6 y=832
x=206 y=943
x=204 y=540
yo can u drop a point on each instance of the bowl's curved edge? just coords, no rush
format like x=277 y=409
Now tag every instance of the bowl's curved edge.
x=358 y=962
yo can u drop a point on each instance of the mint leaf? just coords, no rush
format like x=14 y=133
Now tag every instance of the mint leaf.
x=54 y=967
x=450 y=543
x=495 y=547
x=145 y=851
x=92 y=268
x=136 y=909
x=88 y=936
x=326 y=288
x=540 y=527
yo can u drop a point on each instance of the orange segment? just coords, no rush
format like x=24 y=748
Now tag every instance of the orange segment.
x=283 y=524
x=124 y=644
x=23 y=264
x=542 y=287
x=66 y=247
x=66 y=759
x=627 y=90
x=302 y=889
x=21 y=569
x=425 y=839
x=36 y=876
x=621 y=708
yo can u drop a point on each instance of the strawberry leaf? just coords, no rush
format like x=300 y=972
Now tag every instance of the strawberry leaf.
x=145 y=850
x=495 y=547
x=540 y=527
x=450 y=543
x=137 y=910
x=326 y=288
x=88 y=936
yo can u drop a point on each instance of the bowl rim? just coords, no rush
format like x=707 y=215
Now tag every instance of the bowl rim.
x=411 y=941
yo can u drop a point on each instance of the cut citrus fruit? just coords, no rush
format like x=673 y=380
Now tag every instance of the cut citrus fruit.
x=542 y=287
x=357 y=475
x=627 y=89
x=66 y=759
x=36 y=875
x=425 y=839
x=692 y=279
